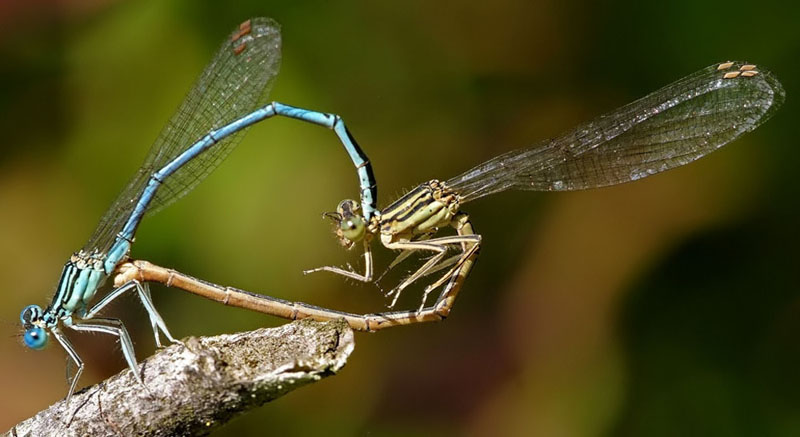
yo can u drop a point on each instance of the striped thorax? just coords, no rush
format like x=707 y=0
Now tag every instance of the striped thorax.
x=424 y=209
x=82 y=275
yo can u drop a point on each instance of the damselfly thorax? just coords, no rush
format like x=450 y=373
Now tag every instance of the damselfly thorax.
x=426 y=208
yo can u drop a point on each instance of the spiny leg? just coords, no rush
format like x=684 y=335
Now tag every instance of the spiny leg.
x=143 y=291
x=445 y=264
x=460 y=272
x=460 y=222
x=404 y=255
x=113 y=327
x=438 y=245
x=156 y=321
x=62 y=340
x=107 y=299
x=453 y=259
x=441 y=309
x=440 y=250
x=366 y=277
x=458 y=260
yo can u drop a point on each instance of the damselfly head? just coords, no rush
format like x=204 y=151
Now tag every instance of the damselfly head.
x=350 y=226
x=35 y=336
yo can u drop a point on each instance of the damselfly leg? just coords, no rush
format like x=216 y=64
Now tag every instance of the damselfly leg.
x=440 y=247
x=350 y=272
x=73 y=355
x=143 y=292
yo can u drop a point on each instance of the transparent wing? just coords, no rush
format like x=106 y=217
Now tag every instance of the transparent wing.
x=673 y=126
x=235 y=82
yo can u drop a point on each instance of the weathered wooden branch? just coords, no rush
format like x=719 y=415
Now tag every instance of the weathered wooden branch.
x=195 y=387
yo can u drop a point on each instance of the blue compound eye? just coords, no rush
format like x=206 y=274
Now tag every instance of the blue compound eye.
x=35 y=338
x=30 y=314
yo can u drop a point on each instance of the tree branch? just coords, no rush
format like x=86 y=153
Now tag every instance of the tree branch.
x=194 y=388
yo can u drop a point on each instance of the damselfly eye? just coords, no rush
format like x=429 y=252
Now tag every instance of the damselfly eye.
x=35 y=337
x=348 y=208
x=353 y=228
x=30 y=314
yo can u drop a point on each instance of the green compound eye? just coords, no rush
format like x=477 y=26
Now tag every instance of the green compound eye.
x=353 y=228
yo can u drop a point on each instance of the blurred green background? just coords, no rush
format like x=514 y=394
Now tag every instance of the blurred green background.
x=670 y=306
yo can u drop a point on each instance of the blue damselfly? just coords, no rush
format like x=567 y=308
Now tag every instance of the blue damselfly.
x=227 y=98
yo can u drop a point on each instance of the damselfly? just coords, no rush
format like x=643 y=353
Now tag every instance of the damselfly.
x=226 y=99
x=671 y=127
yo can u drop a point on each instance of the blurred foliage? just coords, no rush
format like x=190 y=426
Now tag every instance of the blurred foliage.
x=665 y=307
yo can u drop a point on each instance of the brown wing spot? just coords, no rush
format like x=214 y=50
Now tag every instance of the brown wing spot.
x=725 y=66
x=749 y=73
x=731 y=75
x=239 y=49
x=747 y=67
x=244 y=29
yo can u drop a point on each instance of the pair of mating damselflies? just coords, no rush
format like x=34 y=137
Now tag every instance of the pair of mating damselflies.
x=668 y=128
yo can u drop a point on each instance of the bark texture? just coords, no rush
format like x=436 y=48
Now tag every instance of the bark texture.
x=192 y=388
